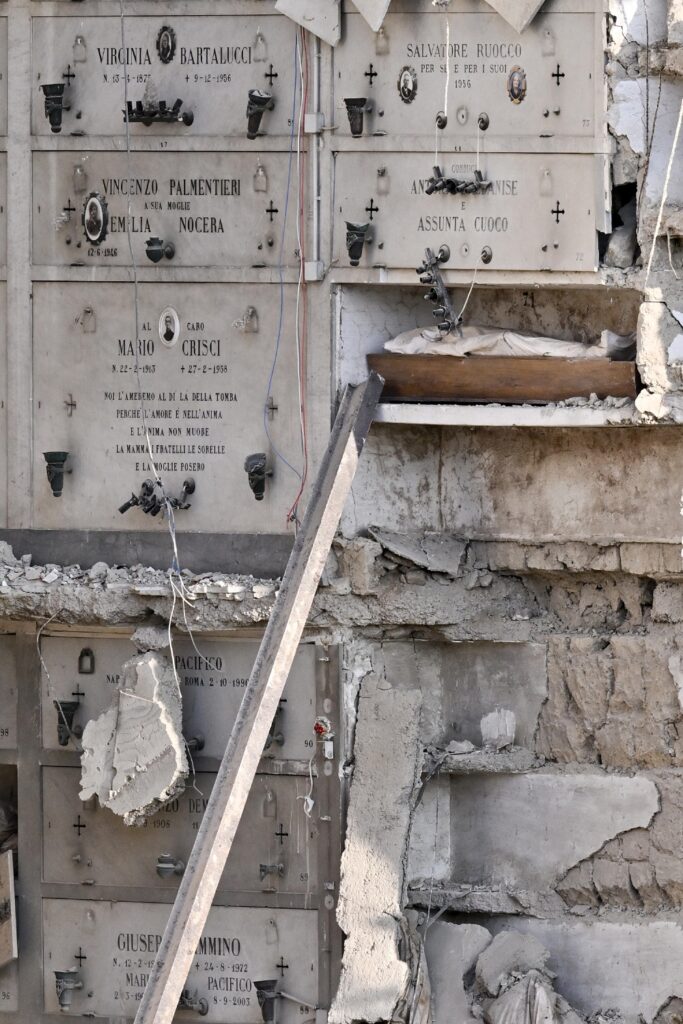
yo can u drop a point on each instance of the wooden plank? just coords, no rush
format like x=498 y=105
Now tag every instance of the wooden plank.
x=267 y=680
x=432 y=378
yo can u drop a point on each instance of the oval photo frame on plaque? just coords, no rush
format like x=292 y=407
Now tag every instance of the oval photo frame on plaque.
x=95 y=218
x=169 y=327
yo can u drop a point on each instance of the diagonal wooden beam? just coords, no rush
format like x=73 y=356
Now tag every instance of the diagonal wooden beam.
x=238 y=768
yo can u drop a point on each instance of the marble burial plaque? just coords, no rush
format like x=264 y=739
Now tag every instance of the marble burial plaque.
x=115 y=945
x=275 y=850
x=200 y=369
x=210 y=63
x=217 y=209
x=539 y=212
x=539 y=86
x=3 y=76
x=3 y=219
x=3 y=408
x=211 y=694
x=8 y=695
x=9 y=988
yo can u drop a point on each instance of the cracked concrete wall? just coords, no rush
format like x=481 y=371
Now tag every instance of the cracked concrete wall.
x=517 y=485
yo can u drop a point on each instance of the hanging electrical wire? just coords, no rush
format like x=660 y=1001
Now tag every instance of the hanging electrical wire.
x=175 y=576
x=301 y=318
x=296 y=151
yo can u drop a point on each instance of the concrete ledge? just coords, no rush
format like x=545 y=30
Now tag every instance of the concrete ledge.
x=260 y=555
x=502 y=415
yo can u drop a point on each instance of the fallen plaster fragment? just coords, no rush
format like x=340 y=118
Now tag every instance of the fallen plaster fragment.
x=654 y=406
x=388 y=761
x=134 y=756
x=321 y=17
x=452 y=951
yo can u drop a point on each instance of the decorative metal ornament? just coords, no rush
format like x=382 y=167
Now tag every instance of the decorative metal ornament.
x=166 y=44
x=407 y=84
x=517 y=85
x=95 y=218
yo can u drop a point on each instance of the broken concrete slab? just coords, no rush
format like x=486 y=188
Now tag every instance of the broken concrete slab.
x=321 y=17
x=436 y=552
x=388 y=760
x=452 y=951
x=374 y=11
x=497 y=839
x=510 y=952
x=480 y=762
x=134 y=757
x=517 y=13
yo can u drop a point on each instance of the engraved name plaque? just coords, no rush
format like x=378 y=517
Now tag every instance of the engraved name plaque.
x=210 y=63
x=522 y=211
x=196 y=379
x=113 y=945
x=219 y=209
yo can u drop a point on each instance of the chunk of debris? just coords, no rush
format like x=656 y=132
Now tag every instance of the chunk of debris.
x=150 y=638
x=498 y=729
x=134 y=756
x=452 y=951
x=510 y=952
x=530 y=1001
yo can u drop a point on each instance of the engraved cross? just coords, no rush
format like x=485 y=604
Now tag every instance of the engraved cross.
x=79 y=825
x=68 y=74
x=271 y=211
x=372 y=209
x=271 y=74
x=281 y=834
x=68 y=209
x=70 y=405
x=371 y=74
x=557 y=75
x=282 y=967
x=80 y=956
x=557 y=212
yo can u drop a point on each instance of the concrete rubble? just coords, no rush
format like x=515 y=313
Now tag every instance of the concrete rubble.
x=134 y=757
